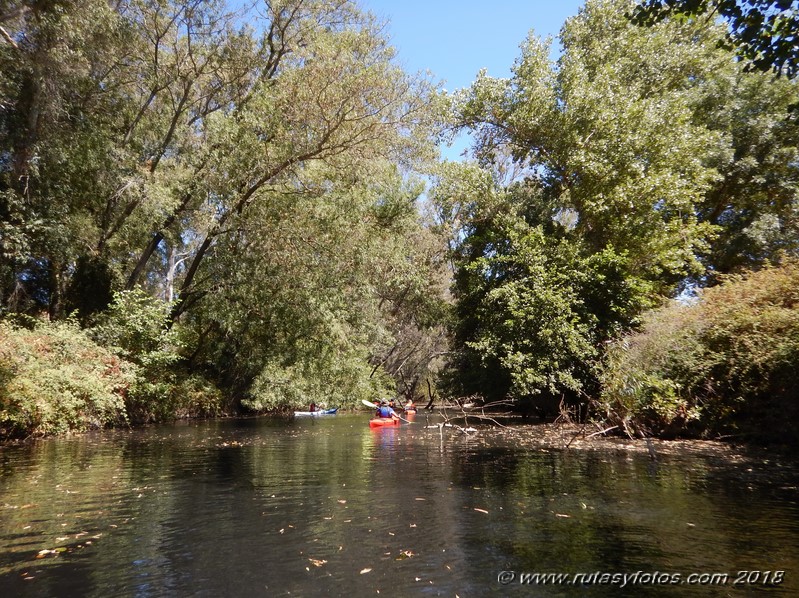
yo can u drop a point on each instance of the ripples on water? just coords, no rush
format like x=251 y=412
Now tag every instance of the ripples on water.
x=328 y=506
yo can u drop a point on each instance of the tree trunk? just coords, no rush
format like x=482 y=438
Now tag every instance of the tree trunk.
x=430 y=392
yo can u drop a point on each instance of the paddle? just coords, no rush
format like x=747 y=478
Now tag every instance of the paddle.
x=373 y=406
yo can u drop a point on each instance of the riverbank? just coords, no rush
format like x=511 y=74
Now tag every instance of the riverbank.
x=549 y=436
x=546 y=436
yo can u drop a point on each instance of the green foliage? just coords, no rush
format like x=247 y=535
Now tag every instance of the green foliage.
x=338 y=381
x=89 y=291
x=55 y=379
x=533 y=311
x=603 y=183
x=608 y=133
x=753 y=206
x=258 y=178
x=763 y=31
x=723 y=365
x=136 y=328
x=335 y=285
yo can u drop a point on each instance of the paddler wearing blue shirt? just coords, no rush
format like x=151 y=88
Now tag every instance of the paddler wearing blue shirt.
x=384 y=410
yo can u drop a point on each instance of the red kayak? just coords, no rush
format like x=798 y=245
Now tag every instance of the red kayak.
x=383 y=422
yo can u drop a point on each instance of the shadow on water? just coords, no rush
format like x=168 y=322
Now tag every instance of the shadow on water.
x=329 y=506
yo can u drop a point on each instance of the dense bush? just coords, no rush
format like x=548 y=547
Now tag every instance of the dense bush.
x=54 y=379
x=136 y=327
x=57 y=378
x=724 y=365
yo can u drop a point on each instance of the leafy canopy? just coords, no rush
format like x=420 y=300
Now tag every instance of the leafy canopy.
x=765 y=32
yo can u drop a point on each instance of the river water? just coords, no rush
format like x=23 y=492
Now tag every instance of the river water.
x=327 y=506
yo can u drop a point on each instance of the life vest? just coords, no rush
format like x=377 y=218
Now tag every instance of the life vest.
x=384 y=411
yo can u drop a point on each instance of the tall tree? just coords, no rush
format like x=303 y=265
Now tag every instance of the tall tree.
x=188 y=146
x=48 y=55
x=628 y=173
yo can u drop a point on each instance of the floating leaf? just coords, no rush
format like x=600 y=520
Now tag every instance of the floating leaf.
x=365 y=570
x=481 y=510
x=405 y=554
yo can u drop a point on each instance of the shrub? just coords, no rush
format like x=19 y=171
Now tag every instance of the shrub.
x=194 y=396
x=135 y=327
x=722 y=365
x=54 y=379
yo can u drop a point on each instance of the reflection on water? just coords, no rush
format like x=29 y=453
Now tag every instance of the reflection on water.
x=329 y=506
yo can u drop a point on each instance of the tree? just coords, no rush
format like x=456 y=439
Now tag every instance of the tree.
x=753 y=204
x=47 y=57
x=175 y=117
x=320 y=292
x=626 y=172
x=230 y=157
x=533 y=306
x=765 y=32
x=609 y=135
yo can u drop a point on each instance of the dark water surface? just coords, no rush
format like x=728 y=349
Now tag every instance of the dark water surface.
x=327 y=506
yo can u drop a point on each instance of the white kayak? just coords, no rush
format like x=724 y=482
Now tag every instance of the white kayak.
x=316 y=413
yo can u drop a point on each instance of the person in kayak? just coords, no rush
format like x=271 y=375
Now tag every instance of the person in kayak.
x=384 y=410
x=312 y=409
x=410 y=405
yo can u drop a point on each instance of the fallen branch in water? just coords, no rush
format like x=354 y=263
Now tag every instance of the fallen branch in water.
x=605 y=431
x=442 y=425
x=478 y=416
x=466 y=413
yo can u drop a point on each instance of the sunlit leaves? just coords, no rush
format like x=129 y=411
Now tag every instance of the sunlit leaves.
x=763 y=31
x=643 y=157
x=609 y=131
x=55 y=379
x=251 y=162
x=724 y=363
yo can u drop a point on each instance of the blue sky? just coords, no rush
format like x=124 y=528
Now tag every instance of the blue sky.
x=454 y=40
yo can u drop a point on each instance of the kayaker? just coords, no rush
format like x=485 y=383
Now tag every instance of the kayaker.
x=384 y=410
x=410 y=406
x=312 y=408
